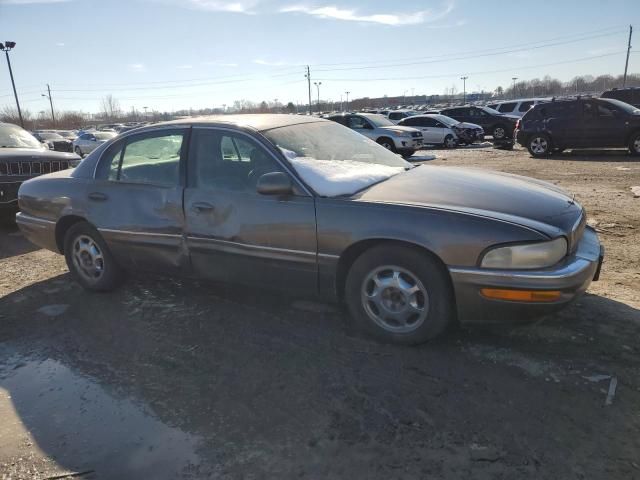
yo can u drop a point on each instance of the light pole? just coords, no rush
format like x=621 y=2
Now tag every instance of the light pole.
x=347 y=102
x=146 y=118
x=317 y=84
x=5 y=47
x=514 y=86
x=464 y=90
x=48 y=95
x=404 y=97
x=341 y=104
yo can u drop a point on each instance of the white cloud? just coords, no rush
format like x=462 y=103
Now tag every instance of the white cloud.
x=352 y=15
x=235 y=6
x=137 y=67
x=184 y=67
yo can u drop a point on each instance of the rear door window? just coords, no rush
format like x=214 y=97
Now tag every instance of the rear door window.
x=507 y=107
x=525 y=106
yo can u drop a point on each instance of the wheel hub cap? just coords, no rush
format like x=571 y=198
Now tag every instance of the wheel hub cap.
x=87 y=258
x=539 y=145
x=395 y=299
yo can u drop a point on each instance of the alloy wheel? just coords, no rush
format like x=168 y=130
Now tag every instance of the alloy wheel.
x=636 y=144
x=87 y=258
x=395 y=299
x=539 y=145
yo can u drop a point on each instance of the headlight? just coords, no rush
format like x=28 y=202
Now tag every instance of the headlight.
x=533 y=255
x=401 y=133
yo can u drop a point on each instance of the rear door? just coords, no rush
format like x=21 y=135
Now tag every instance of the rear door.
x=136 y=200
x=236 y=234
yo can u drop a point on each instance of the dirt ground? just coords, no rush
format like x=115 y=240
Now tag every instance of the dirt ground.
x=180 y=379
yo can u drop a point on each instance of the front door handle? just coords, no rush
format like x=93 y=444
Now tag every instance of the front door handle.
x=201 y=207
x=98 y=196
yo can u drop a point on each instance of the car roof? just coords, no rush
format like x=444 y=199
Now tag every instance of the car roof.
x=260 y=122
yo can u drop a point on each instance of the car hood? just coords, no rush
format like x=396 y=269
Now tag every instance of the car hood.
x=31 y=154
x=512 y=198
x=468 y=125
x=400 y=128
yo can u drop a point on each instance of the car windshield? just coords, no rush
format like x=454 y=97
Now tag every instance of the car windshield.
x=491 y=111
x=448 y=121
x=12 y=136
x=334 y=160
x=380 y=120
x=104 y=135
x=50 y=136
x=622 y=106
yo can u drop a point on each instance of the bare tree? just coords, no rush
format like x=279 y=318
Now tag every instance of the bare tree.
x=10 y=115
x=110 y=107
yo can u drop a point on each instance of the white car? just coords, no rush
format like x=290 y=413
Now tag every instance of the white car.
x=396 y=115
x=517 y=107
x=89 y=141
x=442 y=130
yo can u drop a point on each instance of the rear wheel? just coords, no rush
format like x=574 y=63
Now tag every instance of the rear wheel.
x=450 y=142
x=399 y=294
x=387 y=143
x=634 y=144
x=539 y=145
x=499 y=132
x=89 y=259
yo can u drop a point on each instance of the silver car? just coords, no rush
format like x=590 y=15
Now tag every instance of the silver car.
x=89 y=141
x=403 y=140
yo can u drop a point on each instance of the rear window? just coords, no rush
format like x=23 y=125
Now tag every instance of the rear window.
x=507 y=107
x=622 y=95
x=525 y=106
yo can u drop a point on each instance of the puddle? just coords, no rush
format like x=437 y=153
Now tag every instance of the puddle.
x=50 y=415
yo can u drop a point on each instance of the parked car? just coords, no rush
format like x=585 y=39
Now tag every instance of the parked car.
x=304 y=204
x=68 y=134
x=579 y=123
x=22 y=157
x=89 y=141
x=496 y=124
x=443 y=130
x=517 y=107
x=403 y=140
x=630 y=95
x=396 y=115
x=54 y=141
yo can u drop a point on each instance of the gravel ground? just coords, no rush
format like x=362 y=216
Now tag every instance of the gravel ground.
x=180 y=379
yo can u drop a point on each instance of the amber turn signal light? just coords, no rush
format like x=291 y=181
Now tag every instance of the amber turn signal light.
x=521 y=295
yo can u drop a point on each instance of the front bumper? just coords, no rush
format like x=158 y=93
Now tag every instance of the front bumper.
x=405 y=144
x=571 y=277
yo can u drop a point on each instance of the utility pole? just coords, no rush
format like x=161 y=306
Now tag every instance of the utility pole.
x=514 y=86
x=626 y=65
x=5 y=48
x=308 y=76
x=48 y=95
x=347 y=102
x=464 y=89
x=317 y=84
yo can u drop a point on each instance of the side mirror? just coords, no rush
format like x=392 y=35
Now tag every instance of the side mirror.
x=274 y=183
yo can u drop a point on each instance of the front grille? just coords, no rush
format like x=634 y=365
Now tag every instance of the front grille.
x=62 y=146
x=32 y=168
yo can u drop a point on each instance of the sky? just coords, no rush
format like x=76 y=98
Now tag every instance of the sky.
x=174 y=54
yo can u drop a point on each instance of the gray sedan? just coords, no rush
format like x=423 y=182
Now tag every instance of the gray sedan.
x=304 y=204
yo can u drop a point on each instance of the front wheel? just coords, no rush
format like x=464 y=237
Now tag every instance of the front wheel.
x=539 y=145
x=634 y=144
x=78 y=151
x=399 y=294
x=407 y=155
x=89 y=259
x=450 y=142
x=388 y=144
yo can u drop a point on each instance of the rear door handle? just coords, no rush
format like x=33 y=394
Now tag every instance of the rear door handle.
x=98 y=196
x=202 y=207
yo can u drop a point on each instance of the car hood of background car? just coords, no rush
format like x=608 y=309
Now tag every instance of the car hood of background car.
x=33 y=154
x=472 y=126
x=512 y=198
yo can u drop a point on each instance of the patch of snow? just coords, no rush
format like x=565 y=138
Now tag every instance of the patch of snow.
x=331 y=178
x=635 y=191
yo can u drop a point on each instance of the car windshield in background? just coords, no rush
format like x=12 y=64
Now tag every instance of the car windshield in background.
x=622 y=106
x=12 y=136
x=334 y=160
x=50 y=136
x=491 y=111
x=104 y=135
x=380 y=121
x=448 y=121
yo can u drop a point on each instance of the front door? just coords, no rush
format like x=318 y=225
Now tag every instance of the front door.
x=136 y=200
x=608 y=128
x=235 y=234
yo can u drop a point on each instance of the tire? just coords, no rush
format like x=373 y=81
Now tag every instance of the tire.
x=539 y=145
x=420 y=316
x=387 y=143
x=78 y=152
x=89 y=260
x=406 y=155
x=450 y=142
x=634 y=144
x=499 y=132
